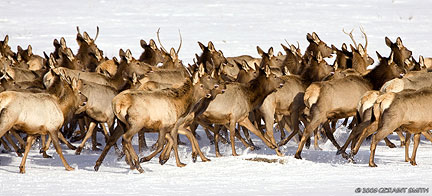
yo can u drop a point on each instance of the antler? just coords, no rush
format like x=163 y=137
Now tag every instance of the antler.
x=181 y=41
x=351 y=36
x=97 y=33
x=163 y=48
x=365 y=36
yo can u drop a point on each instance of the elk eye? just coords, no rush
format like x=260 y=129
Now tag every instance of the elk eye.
x=201 y=85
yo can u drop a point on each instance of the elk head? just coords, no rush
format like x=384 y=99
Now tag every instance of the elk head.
x=317 y=69
x=316 y=45
x=87 y=50
x=401 y=53
x=343 y=57
x=210 y=54
x=5 y=49
x=293 y=60
x=360 y=58
x=171 y=59
x=151 y=55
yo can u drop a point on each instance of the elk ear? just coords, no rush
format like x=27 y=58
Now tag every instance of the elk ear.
x=333 y=47
x=257 y=67
x=344 y=47
x=309 y=38
x=6 y=40
x=286 y=71
x=63 y=43
x=56 y=43
x=143 y=44
x=122 y=53
x=315 y=37
x=388 y=42
x=336 y=65
x=361 y=50
x=270 y=52
x=19 y=49
x=421 y=62
x=319 y=57
x=69 y=54
x=221 y=53
x=279 y=53
x=201 y=46
x=353 y=49
x=29 y=50
x=390 y=61
x=115 y=60
x=267 y=71
x=244 y=65
x=211 y=46
x=128 y=56
x=285 y=48
x=399 y=43
x=173 y=54
x=195 y=78
x=51 y=62
x=379 y=56
x=201 y=70
x=87 y=38
x=260 y=51
x=153 y=44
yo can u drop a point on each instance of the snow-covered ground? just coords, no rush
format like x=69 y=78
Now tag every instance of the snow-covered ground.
x=236 y=27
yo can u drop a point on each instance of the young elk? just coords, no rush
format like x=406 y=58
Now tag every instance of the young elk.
x=40 y=113
x=151 y=55
x=401 y=53
x=34 y=62
x=154 y=110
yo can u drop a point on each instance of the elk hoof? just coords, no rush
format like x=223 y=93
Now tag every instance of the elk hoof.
x=19 y=154
x=140 y=169
x=308 y=143
x=340 y=151
x=69 y=168
x=205 y=160
x=78 y=151
x=181 y=164
x=96 y=167
x=235 y=154
x=372 y=164
x=402 y=144
x=46 y=156
x=391 y=145
x=413 y=163
x=218 y=154
x=72 y=147
x=297 y=156
x=212 y=142
x=144 y=159
x=279 y=153
x=22 y=169
x=163 y=161
x=20 y=150
x=194 y=157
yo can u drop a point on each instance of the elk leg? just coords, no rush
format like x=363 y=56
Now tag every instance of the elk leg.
x=142 y=144
x=117 y=133
x=194 y=143
x=247 y=123
x=87 y=136
x=93 y=137
x=173 y=138
x=12 y=143
x=30 y=139
x=316 y=139
x=127 y=141
x=380 y=134
x=401 y=136
x=315 y=122
x=160 y=145
x=166 y=152
x=246 y=134
x=5 y=145
x=216 y=141
x=280 y=125
x=243 y=141
x=389 y=143
x=330 y=135
x=232 y=137
x=44 y=148
x=55 y=139
x=416 y=144
x=209 y=136
x=82 y=132
x=370 y=129
x=63 y=139
x=427 y=135
x=19 y=138
x=269 y=121
x=407 y=143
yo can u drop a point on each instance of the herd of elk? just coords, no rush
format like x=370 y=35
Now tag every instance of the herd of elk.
x=53 y=95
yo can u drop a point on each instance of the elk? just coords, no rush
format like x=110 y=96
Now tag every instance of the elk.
x=34 y=62
x=237 y=102
x=359 y=57
x=315 y=45
x=154 y=110
x=293 y=59
x=5 y=49
x=401 y=53
x=210 y=57
x=330 y=100
x=151 y=55
x=87 y=50
x=46 y=116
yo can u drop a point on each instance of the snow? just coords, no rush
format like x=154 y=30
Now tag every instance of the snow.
x=236 y=27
